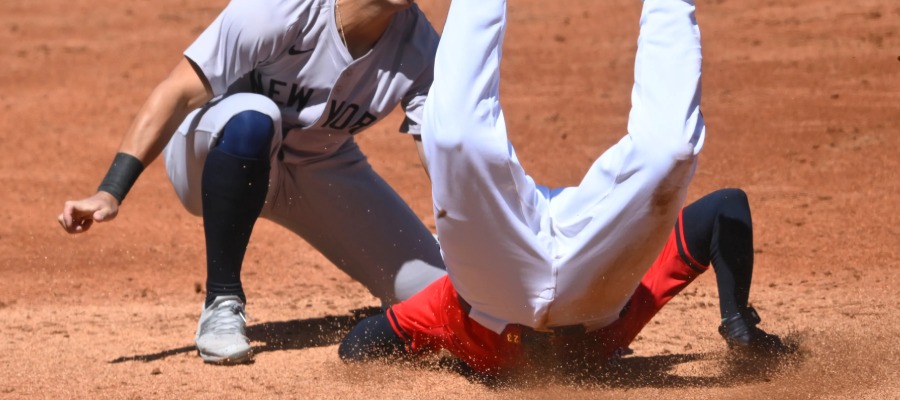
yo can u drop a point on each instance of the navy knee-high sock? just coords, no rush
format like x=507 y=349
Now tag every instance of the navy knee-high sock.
x=718 y=229
x=234 y=186
x=371 y=338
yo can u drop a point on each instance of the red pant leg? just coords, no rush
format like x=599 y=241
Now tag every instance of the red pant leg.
x=433 y=319
x=668 y=275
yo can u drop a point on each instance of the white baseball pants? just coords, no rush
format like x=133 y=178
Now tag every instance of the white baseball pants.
x=523 y=253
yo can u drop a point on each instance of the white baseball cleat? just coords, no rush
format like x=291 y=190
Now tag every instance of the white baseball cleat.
x=221 y=335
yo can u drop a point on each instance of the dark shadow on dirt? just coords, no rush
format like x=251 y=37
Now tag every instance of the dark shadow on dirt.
x=725 y=369
x=282 y=335
x=657 y=371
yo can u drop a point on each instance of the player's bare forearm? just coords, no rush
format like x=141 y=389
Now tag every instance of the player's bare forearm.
x=169 y=103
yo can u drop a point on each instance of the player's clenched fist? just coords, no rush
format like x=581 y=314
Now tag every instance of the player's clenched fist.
x=79 y=215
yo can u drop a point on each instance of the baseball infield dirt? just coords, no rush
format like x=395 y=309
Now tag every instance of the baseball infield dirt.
x=802 y=101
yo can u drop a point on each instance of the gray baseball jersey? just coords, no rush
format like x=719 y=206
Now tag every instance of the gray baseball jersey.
x=291 y=52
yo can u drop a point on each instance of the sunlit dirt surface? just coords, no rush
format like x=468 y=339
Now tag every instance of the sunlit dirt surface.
x=802 y=101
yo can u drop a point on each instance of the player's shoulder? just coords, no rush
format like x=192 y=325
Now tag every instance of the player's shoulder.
x=272 y=17
x=417 y=30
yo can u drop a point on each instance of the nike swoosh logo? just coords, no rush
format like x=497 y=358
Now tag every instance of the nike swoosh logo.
x=293 y=51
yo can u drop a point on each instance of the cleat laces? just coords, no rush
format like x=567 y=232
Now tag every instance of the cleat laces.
x=227 y=320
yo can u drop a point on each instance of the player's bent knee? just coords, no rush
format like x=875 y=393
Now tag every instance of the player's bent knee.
x=728 y=198
x=733 y=203
x=415 y=275
x=247 y=134
x=240 y=103
x=733 y=195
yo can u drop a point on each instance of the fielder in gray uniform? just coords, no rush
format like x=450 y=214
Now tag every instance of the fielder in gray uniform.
x=258 y=119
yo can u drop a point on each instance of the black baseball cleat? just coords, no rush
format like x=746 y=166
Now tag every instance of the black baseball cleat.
x=742 y=335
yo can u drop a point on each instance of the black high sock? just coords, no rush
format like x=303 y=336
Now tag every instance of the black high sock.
x=234 y=192
x=718 y=229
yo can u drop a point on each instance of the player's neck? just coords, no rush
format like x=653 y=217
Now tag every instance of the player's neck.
x=363 y=22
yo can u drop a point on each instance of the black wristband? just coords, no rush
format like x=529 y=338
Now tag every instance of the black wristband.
x=122 y=174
